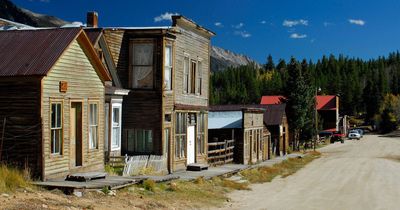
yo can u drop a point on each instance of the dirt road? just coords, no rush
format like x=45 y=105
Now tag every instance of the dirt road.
x=361 y=174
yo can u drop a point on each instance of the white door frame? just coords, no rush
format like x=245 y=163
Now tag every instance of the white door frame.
x=115 y=104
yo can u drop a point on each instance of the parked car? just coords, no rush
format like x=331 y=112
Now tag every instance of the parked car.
x=354 y=135
x=337 y=136
x=357 y=131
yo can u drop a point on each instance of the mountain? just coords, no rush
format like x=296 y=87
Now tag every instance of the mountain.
x=222 y=59
x=10 y=11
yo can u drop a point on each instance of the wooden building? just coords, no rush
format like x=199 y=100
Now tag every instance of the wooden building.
x=167 y=70
x=276 y=122
x=242 y=124
x=114 y=92
x=51 y=101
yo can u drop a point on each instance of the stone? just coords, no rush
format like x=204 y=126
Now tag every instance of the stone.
x=5 y=195
x=45 y=206
x=78 y=194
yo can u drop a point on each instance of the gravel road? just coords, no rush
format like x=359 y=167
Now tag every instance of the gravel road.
x=355 y=175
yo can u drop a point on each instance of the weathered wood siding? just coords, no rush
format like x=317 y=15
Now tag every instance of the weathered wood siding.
x=191 y=43
x=20 y=107
x=142 y=108
x=83 y=85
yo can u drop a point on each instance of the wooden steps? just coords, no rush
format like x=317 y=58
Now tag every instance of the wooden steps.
x=84 y=177
x=196 y=167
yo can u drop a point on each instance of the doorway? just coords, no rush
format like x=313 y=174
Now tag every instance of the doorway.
x=190 y=145
x=76 y=134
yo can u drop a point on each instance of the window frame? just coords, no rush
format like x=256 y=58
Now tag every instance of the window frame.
x=132 y=65
x=201 y=130
x=180 y=137
x=119 y=107
x=199 y=79
x=170 y=68
x=192 y=77
x=186 y=70
x=97 y=103
x=61 y=135
x=134 y=148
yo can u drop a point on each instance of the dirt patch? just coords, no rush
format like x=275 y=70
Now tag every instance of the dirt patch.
x=395 y=158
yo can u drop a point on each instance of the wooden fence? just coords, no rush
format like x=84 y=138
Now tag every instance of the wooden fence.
x=221 y=152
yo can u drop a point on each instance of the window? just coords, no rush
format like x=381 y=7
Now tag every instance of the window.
x=168 y=68
x=140 y=141
x=93 y=125
x=199 y=78
x=200 y=134
x=180 y=135
x=56 y=128
x=186 y=75
x=192 y=79
x=142 y=64
x=116 y=127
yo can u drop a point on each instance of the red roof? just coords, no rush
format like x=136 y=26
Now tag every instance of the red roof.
x=268 y=100
x=327 y=102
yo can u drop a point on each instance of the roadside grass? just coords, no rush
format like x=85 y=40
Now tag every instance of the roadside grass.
x=13 y=178
x=284 y=169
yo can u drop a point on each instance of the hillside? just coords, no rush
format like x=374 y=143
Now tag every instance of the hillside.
x=10 y=11
x=221 y=59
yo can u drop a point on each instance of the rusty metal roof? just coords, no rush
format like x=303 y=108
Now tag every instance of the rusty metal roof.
x=33 y=52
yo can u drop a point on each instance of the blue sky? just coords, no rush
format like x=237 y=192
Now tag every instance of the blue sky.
x=302 y=28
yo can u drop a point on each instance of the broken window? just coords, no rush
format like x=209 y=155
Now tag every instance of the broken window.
x=142 y=64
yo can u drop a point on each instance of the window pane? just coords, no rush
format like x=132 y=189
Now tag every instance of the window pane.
x=142 y=76
x=168 y=56
x=167 y=78
x=53 y=115
x=143 y=54
x=58 y=116
x=186 y=75
x=116 y=116
x=115 y=137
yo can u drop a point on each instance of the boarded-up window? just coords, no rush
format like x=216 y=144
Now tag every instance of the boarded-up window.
x=186 y=75
x=201 y=133
x=142 y=64
x=180 y=135
x=168 y=68
x=93 y=125
x=140 y=141
x=192 y=79
x=56 y=128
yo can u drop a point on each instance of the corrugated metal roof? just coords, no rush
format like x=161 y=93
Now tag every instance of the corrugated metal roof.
x=327 y=102
x=273 y=114
x=272 y=99
x=224 y=119
x=33 y=52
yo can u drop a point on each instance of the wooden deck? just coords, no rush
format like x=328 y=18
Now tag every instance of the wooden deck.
x=111 y=182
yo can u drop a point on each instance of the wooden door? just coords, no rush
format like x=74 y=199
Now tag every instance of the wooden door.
x=190 y=145
x=76 y=134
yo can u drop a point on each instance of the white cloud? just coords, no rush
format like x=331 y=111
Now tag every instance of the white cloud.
x=218 y=24
x=291 y=23
x=243 y=34
x=326 y=24
x=238 y=26
x=263 y=22
x=167 y=16
x=298 y=36
x=357 y=22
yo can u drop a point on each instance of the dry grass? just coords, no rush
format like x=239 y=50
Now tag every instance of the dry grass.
x=284 y=169
x=12 y=178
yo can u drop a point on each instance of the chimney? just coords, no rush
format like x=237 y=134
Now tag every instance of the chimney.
x=92 y=19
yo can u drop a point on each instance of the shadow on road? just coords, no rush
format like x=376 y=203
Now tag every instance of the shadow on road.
x=394 y=134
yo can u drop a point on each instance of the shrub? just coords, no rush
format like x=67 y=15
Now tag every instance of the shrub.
x=149 y=185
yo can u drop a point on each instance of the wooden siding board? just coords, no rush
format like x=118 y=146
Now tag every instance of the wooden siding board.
x=20 y=105
x=85 y=85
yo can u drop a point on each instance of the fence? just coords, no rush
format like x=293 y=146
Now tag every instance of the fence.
x=135 y=165
x=221 y=152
